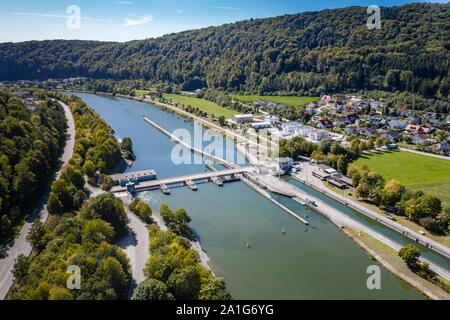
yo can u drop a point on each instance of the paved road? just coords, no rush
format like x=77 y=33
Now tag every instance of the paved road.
x=425 y=153
x=136 y=245
x=20 y=244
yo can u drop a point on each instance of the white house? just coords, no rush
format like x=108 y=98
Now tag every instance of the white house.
x=272 y=119
x=304 y=131
x=395 y=124
x=290 y=126
x=375 y=104
x=318 y=135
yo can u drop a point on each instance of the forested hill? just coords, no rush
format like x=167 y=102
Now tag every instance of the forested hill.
x=330 y=50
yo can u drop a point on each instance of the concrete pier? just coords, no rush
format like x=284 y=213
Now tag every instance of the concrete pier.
x=204 y=155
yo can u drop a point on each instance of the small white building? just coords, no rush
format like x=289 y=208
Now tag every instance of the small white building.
x=318 y=135
x=273 y=120
x=260 y=125
x=290 y=126
x=395 y=124
x=304 y=131
x=242 y=118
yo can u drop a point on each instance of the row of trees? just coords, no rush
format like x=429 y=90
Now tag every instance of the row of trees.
x=142 y=210
x=410 y=255
x=95 y=149
x=84 y=240
x=302 y=54
x=177 y=221
x=392 y=196
x=332 y=153
x=30 y=144
x=173 y=271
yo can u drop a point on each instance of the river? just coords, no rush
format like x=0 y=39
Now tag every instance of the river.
x=308 y=262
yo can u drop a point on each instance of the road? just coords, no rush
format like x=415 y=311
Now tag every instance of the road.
x=426 y=153
x=306 y=176
x=136 y=246
x=20 y=244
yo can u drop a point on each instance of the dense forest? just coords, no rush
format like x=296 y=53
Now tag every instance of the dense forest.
x=30 y=144
x=307 y=53
x=78 y=232
x=83 y=239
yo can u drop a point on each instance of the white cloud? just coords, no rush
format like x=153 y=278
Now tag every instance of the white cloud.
x=139 y=21
x=35 y=14
x=50 y=15
x=124 y=2
x=179 y=11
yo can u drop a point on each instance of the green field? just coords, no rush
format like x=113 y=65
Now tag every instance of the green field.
x=415 y=171
x=138 y=92
x=202 y=104
x=287 y=100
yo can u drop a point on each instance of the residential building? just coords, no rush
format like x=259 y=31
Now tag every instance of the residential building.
x=416 y=129
x=405 y=112
x=392 y=135
x=324 y=123
x=318 y=135
x=273 y=120
x=396 y=124
x=304 y=131
x=422 y=138
x=375 y=104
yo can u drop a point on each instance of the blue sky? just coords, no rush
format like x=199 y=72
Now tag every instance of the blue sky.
x=124 y=20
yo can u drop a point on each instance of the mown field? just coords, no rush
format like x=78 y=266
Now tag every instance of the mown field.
x=202 y=104
x=138 y=92
x=415 y=171
x=287 y=100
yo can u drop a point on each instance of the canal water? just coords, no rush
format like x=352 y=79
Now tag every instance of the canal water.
x=308 y=262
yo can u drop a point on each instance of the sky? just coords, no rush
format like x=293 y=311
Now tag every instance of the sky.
x=125 y=20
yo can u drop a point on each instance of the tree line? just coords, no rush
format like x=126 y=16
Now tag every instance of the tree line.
x=30 y=145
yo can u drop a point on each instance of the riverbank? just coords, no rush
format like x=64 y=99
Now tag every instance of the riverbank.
x=389 y=258
x=195 y=245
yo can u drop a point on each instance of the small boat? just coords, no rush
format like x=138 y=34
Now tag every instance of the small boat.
x=248 y=245
x=217 y=181
x=283 y=231
x=164 y=189
x=191 y=185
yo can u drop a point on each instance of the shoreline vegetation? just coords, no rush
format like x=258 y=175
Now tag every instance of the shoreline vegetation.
x=182 y=113
x=390 y=260
x=175 y=253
